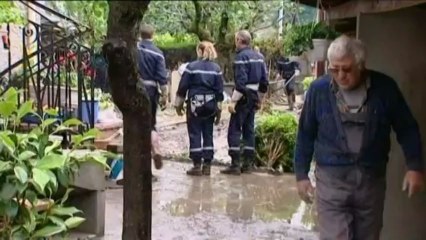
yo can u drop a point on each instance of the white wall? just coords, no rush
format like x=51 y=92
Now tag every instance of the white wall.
x=396 y=43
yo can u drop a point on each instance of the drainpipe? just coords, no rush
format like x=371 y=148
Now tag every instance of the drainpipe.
x=280 y=22
x=320 y=66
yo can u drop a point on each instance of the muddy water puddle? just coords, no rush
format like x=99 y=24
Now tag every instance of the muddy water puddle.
x=256 y=206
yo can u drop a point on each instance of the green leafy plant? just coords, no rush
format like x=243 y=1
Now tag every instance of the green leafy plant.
x=167 y=40
x=298 y=38
x=106 y=101
x=307 y=82
x=9 y=13
x=36 y=173
x=275 y=140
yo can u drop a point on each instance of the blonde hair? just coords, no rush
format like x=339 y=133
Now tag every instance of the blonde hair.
x=206 y=51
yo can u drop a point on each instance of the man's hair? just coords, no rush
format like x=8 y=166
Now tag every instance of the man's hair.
x=146 y=31
x=244 y=36
x=345 y=46
x=206 y=51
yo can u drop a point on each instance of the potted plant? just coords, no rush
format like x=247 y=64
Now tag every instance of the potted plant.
x=35 y=174
x=86 y=105
x=321 y=39
x=310 y=39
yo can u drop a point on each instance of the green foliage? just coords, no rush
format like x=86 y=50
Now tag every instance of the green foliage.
x=167 y=40
x=215 y=18
x=9 y=13
x=35 y=173
x=307 y=81
x=298 y=38
x=93 y=14
x=322 y=31
x=275 y=140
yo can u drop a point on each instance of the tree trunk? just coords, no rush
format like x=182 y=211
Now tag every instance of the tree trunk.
x=130 y=97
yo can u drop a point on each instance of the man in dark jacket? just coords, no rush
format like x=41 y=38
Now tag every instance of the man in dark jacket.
x=251 y=84
x=346 y=121
x=288 y=70
x=152 y=69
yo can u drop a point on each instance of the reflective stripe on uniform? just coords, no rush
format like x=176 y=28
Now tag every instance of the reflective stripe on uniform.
x=254 y=87
x=150 y=83
x=234 y=149
x=150 y=51
x=208 y=148
x=248 y=148
x=203 y=72
x=249 y=61
x=196 y=149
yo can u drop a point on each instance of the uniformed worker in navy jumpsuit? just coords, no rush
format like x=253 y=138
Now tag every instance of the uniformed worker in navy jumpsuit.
x=152 y=69
x=251 y=84
x=288 y=70
x=202 y=83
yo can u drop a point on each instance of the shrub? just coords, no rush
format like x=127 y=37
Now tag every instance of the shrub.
x=35 y=173
x=307 y=82
x=165 y=41
x=275 y=140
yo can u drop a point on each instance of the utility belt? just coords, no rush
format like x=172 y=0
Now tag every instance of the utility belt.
x=150 y=83
x=250 y=97
x=203 y=105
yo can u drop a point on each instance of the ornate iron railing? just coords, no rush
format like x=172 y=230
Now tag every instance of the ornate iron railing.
x=55 y=69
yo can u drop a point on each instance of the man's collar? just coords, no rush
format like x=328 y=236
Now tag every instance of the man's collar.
x=242 y=49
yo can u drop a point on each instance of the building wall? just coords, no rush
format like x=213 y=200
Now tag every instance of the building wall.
x=396 y=43
x=353 y=7
x=15 y=46
x=15 y=39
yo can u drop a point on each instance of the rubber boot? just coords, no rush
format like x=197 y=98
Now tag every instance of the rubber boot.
x=195 y=171
x=247 y=168
x=234 y=169
x=156 y=154
x=206 y=169
x=290 y=102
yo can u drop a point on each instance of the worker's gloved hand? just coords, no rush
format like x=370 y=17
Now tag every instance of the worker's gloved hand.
x=217 y=117
x=259 y=103
x=179 y=110
x=163 y=102
x=231 y=107
x=218 y=113
x=163 y=97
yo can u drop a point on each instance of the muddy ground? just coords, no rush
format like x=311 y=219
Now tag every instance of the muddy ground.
x=174 y=135
x=219 y=207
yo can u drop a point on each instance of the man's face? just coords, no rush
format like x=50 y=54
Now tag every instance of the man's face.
x=345 y=72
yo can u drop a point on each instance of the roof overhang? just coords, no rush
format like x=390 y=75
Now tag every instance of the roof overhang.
x=325 y=4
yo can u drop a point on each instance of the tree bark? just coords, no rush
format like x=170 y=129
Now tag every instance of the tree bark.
x=129 y=95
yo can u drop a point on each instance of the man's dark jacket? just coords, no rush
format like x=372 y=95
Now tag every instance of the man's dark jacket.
x=321 y=135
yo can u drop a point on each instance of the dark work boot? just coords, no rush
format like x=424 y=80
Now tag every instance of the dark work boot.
x=234 y=169
x=246 y=169
x=195 y=171
x=206 y=169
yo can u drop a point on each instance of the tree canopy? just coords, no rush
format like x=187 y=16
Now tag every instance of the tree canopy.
x=10 y=13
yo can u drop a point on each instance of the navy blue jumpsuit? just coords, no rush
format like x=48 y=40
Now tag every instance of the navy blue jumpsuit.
x=202 y=82
x=250 y=78
x=286 y=69
x=152 y=69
